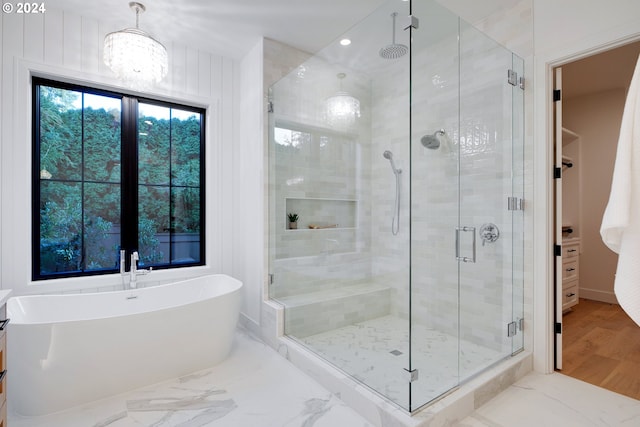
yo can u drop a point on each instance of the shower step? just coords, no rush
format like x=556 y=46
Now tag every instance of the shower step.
x=321 y=311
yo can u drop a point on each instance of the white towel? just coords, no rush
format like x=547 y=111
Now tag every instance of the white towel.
x=620 y=229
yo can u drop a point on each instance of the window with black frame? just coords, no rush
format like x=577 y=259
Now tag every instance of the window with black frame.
x=110 y=172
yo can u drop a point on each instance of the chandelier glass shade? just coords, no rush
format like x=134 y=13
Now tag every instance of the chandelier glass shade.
x=342 y=109
x=134 y=56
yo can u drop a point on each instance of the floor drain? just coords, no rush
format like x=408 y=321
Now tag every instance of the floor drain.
x=396 y=352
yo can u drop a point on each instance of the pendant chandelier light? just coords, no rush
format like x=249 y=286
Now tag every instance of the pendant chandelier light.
x=134 y=56
x=342 y=109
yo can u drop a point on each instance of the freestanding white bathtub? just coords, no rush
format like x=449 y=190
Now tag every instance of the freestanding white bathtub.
x=65 y=350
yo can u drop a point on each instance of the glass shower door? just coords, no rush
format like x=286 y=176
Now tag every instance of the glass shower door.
x=467 y=191
x=487 y=205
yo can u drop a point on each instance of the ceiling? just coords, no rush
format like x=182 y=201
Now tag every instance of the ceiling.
x=232 y=27
x=608 y=70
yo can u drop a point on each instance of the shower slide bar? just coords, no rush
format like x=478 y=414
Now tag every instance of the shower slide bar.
x=395 y=222
x=473 y=244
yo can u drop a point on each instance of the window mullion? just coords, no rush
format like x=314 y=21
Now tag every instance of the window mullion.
x=35 y=185
x=129 y=182
x=172 y=225
x=83 y=250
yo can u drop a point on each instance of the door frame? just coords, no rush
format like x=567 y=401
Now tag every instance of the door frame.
x=543 y=192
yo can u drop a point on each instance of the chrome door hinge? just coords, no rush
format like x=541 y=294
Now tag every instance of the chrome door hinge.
x=411 y=22
x=271 y=278
x=515 y=326
x=269 y=106
x=410 y=375
x=515 y=204
x=514 y=80
x=512 y=329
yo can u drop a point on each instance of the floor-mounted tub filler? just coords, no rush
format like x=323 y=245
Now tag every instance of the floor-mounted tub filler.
x=66 y=350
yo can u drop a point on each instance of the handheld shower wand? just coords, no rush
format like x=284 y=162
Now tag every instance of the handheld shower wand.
x=389 y=156
x=395 y=222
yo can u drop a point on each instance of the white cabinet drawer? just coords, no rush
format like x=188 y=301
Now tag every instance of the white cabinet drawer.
x=570 y=295
x=570 y=270
x=570 y=250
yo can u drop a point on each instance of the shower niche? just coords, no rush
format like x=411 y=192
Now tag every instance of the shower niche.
x=425 y=150
x=323 y=214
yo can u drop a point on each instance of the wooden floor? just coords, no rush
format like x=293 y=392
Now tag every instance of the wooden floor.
x=601 y=346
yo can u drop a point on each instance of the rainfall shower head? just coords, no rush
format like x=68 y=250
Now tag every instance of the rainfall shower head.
x=432 y=142
x=394 y=50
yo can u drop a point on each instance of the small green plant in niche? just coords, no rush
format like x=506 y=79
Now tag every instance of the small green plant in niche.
x=293 y=221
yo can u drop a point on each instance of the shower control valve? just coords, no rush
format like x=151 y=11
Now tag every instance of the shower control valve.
x=489 y=233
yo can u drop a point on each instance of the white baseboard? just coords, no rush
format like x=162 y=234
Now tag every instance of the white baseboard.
x=597 y=295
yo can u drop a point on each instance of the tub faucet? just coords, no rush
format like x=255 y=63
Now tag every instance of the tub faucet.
x=122 y=266
x=134 y=271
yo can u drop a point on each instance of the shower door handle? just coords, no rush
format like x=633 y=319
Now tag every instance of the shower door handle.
x=473 y=244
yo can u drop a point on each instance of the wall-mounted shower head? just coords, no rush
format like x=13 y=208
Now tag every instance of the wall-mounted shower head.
x=394 y=50
x=389 y=156
x=432 y=142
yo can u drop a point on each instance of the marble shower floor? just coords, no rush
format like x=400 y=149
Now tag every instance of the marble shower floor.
x=376 y=352
x=254 y=387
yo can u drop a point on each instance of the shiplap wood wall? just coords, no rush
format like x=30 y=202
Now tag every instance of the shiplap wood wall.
x=65 y=45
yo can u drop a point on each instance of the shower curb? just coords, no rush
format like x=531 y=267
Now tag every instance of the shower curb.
x=445 y=411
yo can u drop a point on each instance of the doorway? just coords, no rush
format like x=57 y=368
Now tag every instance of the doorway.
x=598 y=341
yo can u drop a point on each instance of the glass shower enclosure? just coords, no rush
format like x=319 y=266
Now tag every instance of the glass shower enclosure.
x=401 y=154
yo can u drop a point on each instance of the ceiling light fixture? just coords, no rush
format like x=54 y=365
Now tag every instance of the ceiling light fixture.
x=342 y=109
x=134 y=56
x=345 y=42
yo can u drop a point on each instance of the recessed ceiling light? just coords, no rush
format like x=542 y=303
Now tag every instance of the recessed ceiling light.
x=345 y=42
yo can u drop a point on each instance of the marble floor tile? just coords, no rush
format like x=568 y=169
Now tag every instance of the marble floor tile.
x=555 y=400
x=376 y=352
x=255 y=386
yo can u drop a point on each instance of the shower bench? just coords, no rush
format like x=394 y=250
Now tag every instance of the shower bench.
x=334 y=308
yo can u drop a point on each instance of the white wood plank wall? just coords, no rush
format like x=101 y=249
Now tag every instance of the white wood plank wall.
x=61 y=42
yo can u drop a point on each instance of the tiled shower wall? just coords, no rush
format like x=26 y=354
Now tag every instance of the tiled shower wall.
x=320 y=174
